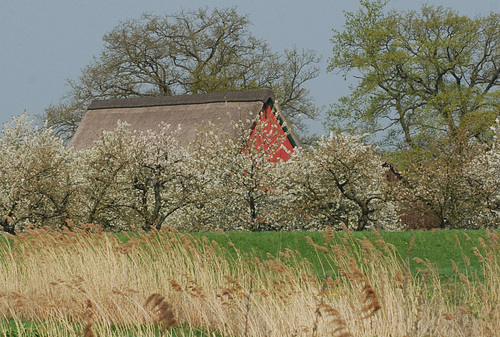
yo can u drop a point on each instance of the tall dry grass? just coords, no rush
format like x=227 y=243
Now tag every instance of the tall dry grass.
x=84 y=282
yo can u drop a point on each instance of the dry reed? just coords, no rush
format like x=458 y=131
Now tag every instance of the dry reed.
x=82 y=281
x=163 y=310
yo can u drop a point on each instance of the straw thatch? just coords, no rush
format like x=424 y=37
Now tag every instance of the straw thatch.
x=191 y=112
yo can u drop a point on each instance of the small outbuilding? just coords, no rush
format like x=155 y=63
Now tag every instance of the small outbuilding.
x=190 y=112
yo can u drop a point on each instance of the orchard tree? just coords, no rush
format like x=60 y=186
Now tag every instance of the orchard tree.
x=102 y=180
x=159 y=180
x=242 y=185
x=137 y=179
x=189 y=52
x=421 y=74
x=204 y=212
x=254 y=179
x=36 y=176
x=483 y=175
x=342 y=180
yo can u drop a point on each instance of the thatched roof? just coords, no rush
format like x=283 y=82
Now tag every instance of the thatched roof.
x=191 y=112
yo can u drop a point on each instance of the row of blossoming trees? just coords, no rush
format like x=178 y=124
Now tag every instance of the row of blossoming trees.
x=142 y=181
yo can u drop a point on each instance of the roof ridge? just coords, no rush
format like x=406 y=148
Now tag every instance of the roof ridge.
x=148 y=101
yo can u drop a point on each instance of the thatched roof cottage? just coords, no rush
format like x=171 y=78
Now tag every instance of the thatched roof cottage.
x=191 y=112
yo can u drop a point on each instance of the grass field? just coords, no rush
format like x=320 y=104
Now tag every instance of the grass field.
x=439 y=247
x=88 y=283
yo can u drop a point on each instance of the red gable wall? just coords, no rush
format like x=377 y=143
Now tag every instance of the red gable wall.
x=271 y=133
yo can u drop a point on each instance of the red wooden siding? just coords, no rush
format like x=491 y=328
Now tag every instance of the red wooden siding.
x=271 y=124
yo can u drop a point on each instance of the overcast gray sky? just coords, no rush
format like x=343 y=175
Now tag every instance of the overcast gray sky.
x=43 y=43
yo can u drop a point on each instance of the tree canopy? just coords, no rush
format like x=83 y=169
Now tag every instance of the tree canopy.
x=421 y=74
x=189 y=52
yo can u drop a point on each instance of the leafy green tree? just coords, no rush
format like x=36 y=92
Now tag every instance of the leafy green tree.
x=189 y=52
x=422 y=74
x=440 y=187
x=460 y=188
